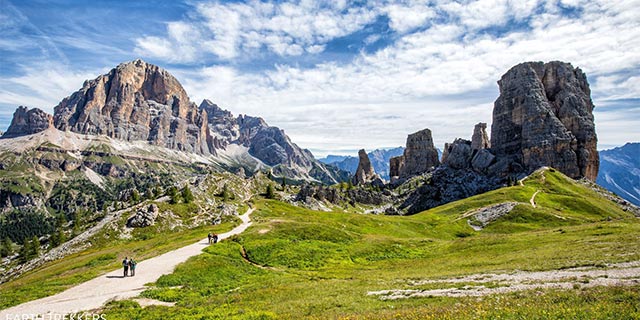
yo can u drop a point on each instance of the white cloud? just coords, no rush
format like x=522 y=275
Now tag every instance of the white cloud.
x=229 y=29
x=43 y=85
x=405 y=18
x=443 y=78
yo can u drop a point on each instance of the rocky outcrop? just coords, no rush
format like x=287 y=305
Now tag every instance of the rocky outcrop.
x=446 y=184
x=543 y=117
x=458 y=154
x=144 y=217
x=335 y=196
x=396 y=165
x=137 y=101
x=28 y=121
x=480 y=139
x=419 y=156
x=365 y=173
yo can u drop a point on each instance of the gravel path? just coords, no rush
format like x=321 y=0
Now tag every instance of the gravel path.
x=484 y=284
x=94 y=293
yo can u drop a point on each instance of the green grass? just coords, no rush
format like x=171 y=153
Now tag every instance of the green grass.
x=322 y=264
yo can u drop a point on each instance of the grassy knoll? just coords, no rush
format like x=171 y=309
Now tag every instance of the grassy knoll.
x=307 y=264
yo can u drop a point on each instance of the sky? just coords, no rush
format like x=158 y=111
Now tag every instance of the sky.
x=339 y=75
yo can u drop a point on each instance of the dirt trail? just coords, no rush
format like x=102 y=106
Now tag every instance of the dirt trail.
x=533 y=198
x=95 y=293
x=484 y=284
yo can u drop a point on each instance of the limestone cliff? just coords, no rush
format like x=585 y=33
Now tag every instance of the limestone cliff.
x=544 y=117
x=137 y=101
x=27 y=121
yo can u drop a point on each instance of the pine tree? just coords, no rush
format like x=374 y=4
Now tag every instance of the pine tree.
x=35 y=247
x=284 y=183
x=135 y=196
x=187 y=196
x=77 y=219
x=269 y=193
x=225 y=193
x=6 y=249
x=25 y=251
x=174 y=196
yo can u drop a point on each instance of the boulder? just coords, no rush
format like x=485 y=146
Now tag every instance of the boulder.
x=459 y=154
x=144 y=217
x=544 y=117
x=482 y=160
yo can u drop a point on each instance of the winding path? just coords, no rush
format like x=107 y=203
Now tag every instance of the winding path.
x=533 y=198
x=95 y=293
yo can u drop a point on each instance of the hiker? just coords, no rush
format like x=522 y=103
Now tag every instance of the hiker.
x=215 y=238
x=125 y=265
x=132 y=266
x=210 y=236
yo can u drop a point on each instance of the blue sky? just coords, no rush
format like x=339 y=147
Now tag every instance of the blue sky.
x=336 y=75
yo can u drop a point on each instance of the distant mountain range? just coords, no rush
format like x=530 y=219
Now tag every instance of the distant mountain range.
x=379 y=159
x=620 y=171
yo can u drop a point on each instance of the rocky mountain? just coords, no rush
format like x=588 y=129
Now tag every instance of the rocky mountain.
x=28 y=121
x=138 y=101
x=544 y=116
x=620 y=171
x=379 y=160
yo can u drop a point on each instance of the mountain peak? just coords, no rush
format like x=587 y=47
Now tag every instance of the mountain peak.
x=137 y=101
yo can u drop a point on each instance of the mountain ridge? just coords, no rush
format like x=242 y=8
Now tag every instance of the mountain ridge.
x=138 y=101
x=620 y=171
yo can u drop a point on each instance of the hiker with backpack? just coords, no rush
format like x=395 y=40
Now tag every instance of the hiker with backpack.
x=210 y=236
x=215 y=238
x=125 y=265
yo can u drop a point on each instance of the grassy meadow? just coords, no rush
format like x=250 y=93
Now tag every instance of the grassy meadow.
x=296 y=263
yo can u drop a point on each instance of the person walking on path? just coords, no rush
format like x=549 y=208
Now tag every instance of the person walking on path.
x=215 y=238
x=132 y=266
x=210 y=236
x=125 y=265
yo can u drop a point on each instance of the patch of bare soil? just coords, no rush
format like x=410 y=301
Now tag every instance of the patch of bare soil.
x=489 y=283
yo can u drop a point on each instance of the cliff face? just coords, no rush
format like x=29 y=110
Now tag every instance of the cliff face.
x=27 y=121
x=420 y=155
x=543 y=117
x=137 y=101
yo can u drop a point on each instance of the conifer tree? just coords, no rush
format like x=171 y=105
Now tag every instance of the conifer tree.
x=187 y=196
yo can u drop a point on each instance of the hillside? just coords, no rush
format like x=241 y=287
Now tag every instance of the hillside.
x=620 y=171
x=298 y=263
